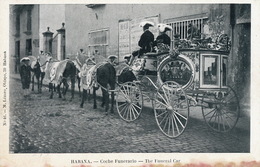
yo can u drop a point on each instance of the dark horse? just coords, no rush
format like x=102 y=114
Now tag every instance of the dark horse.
x=69 y=72
x=39 y=76
x=106 y=78
x=37 y=73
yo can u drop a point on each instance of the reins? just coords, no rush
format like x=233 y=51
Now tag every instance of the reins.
x=44 y=63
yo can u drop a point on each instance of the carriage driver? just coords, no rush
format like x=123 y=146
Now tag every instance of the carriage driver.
x=112 y=59
x=145 y=42
x=163 y=38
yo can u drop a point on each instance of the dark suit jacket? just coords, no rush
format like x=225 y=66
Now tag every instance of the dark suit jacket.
x=146 y=42
x=163 y=38
x=25 y=74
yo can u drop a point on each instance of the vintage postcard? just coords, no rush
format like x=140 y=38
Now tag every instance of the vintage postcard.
x=129 y=83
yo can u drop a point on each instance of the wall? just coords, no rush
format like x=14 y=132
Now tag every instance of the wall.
x=240 y=57
x=51 y=16
x=34 y=35
x=34 y=32
x=80 y=20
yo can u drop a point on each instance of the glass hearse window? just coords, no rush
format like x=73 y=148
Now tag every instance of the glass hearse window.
x=210 y=70
x=178 y=71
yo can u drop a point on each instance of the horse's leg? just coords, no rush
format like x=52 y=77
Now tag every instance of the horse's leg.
x=106 y=101
x=49 y=87
x=84 y=93
x=89 y=95
x=64 y=81
x=94 y=97
x=40 y=89
x=58 y=90
x=78 y=78
x=51 y=90
x=72 y=88
x=38 y=83
x=105 y=95
x=112 y=85
x=54 y=87
x=33 y=82
x=112 y=102
x=103 y=98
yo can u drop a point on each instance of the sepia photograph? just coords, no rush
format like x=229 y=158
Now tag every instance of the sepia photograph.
x=107 y=82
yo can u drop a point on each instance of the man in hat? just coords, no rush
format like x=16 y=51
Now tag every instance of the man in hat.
x=112 y=59
x=25 y=74
x=163 y=41
x=163 y=37
x=127 y=58
x=146 y=40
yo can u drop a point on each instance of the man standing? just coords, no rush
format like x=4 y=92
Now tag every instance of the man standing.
x=25 y=74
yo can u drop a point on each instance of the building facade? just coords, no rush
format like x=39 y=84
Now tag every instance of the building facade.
x=24 y=32
x=27 y=25
x=112 y=29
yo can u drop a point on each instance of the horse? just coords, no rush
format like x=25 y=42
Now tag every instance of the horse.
x=105 y=75
x=57 y=73
x=82 y=71
x=79 y=61
x=37 y=72
x=101 y=75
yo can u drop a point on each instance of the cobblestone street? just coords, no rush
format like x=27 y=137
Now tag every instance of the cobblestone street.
x=44 y=125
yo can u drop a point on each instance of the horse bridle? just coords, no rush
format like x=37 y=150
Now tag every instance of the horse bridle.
x=43 y=63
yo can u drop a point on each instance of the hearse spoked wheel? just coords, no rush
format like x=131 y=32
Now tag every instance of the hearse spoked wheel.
x=129 y=101
x=171 y=109
x=221 y=110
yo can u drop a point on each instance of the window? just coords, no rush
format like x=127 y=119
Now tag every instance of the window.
x=29 y=20
x=17 y=24
x=213 y=71
x=181 y=25
x=98 y=44
x=28 y=47
x=210 y=71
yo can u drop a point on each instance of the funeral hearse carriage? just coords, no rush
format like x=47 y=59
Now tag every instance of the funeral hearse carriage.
x=192 y=75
